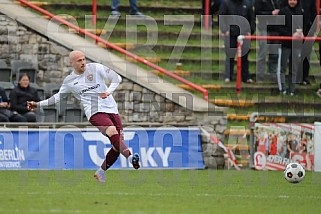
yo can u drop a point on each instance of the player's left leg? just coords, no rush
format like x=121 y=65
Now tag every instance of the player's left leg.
x=102 y=121
x=110 y=159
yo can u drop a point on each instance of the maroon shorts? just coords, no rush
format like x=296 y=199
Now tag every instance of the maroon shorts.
x=103 y=120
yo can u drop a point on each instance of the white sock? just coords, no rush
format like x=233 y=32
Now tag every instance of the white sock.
x=130 y=158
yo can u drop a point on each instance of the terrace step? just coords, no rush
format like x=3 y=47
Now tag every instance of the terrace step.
x=126 y=46
x=162 y=35
x=231 y=131
x=208 y=86
x=269 y=87
x=291 y=104
x=219 y=75
x=147 y=21
x=246 y=117
x=150 y=59
x=93 y=31
x=106 y=7
x=216 y=61
x=232 y=103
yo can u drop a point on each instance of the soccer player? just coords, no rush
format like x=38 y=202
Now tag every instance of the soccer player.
x=87 y=84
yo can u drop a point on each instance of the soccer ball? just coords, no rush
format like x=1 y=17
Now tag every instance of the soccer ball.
x=294 y=173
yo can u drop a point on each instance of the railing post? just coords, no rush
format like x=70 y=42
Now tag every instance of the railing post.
x=239 y=64
x=207 y=13
x=205 y=95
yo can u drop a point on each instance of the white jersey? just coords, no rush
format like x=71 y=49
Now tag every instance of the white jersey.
x=87 y=87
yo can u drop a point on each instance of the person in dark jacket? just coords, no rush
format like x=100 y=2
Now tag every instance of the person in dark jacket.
x=308 y=8
x=214 y=6
x=6 y=115
x=309 y=28
x=232 y=24
x=264 y=11
x=291 y=50
x=19 y=96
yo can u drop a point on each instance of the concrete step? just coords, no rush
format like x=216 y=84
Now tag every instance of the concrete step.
x=258 y=87
x=292 y=104
x=150 y=59
x=246 y=117
x=123 y=8
x=126 y=46
x=252 y=62
x=207 y=86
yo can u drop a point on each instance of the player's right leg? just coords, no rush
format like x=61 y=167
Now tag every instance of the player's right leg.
x=119 y=145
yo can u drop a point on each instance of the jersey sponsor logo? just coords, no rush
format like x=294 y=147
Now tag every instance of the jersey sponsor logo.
x=89 y=89
x=75 y=83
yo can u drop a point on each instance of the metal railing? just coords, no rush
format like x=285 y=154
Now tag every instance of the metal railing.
x=116 y=48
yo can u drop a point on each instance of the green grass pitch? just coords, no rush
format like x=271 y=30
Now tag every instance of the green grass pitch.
x=158 y=191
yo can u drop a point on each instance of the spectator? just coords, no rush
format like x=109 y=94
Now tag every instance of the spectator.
x=291 y=145
x=7 y=115
x=264 y=9
x=291 y=50
x=309 y=14
x=232 y=11
x=281 y=145
x=133 y=8
x=310 y=144
x=19 y=96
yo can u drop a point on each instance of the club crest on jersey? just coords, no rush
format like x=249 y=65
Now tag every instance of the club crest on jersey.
x=90 y=77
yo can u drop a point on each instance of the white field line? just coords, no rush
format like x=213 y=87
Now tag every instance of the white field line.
x=165 y=195
x=59 y=211
x=49 y=210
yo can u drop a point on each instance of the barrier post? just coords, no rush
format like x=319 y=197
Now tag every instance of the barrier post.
x=239 y=64
x=207 y=13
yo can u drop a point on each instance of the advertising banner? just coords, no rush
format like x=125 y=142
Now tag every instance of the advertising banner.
x=73 y=148
x=278 y=144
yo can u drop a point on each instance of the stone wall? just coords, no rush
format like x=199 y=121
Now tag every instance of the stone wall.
x=19 y=43
x=136 y=103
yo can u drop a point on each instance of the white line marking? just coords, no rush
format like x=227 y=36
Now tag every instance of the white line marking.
x=165 y=194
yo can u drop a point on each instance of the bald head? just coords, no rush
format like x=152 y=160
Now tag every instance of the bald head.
x=78 y=61
x=74 y=54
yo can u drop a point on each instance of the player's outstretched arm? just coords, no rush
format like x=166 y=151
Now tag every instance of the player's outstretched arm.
x=31 y=105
